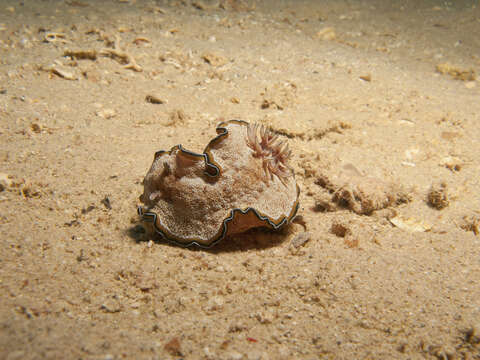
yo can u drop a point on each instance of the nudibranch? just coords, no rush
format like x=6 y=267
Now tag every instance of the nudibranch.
x=242 y=180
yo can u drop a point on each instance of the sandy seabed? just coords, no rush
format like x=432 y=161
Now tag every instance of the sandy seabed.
x=380 y=103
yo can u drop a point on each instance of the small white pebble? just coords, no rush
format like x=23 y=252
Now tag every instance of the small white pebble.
x=470 y=84
x=234 y=355
x=106 y=113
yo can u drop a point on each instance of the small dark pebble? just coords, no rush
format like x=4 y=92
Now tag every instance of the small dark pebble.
x=74 y=222
x=106 y=201
x=88 y=209
x=81 y=257
x=152 y=99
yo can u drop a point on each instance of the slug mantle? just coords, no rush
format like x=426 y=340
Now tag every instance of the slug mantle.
x=242 y=180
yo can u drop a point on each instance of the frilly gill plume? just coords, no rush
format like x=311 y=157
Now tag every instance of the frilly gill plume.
x=273 y=152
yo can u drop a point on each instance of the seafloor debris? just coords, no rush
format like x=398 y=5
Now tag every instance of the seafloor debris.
x=455 y=72
x=20 y=186
x=141 y=40
x=183 y=61
x=242 y=180
x=176 y=117
x=214 y=59
x=60 y=71
x=366 y=77
x=54 y=37
x=279 y=96
x=471 y=223
x=348 y=232
x=368 y=195
x=437 y=196
x=90 y=54
x=122 y=56
x=236 y=5
x=410 y=224
x=339 y=229
x=5 y=181
x=300 y=239
x=173 y=347
x=107 y=202
x=327 y=33
x=361 y=194
x=335 y=126
x=154 y=99
x=106 y=113
x=452 y=163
